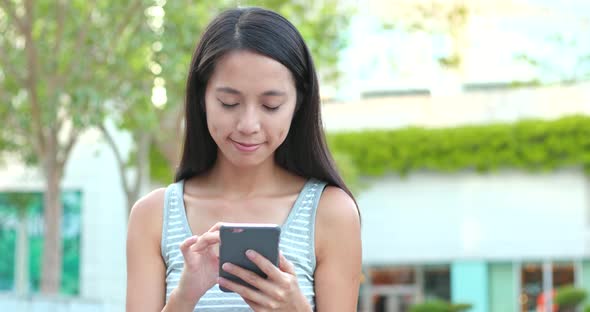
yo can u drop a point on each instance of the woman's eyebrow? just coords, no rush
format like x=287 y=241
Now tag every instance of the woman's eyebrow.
x=236 y=92
x=274 y=93
x=227 y=90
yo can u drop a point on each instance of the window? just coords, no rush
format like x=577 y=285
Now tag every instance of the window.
x=392 y=289
x=532 y=283
x=437 y=283
x=393 y=276
x=22 y=212
x=563 y=274
x=531 y=286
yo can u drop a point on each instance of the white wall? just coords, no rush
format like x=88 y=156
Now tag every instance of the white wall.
x=508 y=215
x=494 y=106
x=92 y=169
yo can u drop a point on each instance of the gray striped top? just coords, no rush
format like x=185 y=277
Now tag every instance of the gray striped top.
x=296 y=244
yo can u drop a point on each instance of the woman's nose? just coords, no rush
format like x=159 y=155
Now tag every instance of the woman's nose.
x=249 y=122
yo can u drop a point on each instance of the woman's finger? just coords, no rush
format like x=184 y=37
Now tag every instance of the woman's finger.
x=250 y=277
x=286 y=265
x=216 y=227
x=244 y=291
x=254 y=305
x=264 y=264
x=205 y=240
x=187 y=243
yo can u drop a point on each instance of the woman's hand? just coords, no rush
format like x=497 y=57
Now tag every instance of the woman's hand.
x=201 y=264
x=279 y=292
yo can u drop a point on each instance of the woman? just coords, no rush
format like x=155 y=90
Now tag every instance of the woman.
x=254 y=151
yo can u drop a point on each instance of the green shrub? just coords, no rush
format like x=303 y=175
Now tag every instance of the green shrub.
x=432 y=306
x=532 y=145
x=461 y=307
x=569 y=296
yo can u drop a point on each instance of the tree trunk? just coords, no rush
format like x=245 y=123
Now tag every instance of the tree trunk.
x=22 y=254
x=144 y=142
x=51 y=271
x=134 y=188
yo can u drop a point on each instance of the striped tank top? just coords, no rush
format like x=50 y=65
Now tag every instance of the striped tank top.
x=296 y=243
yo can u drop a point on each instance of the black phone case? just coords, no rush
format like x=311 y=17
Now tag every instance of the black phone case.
x=237 y=239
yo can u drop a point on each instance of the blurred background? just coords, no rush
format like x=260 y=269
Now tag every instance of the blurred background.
x=462 y=126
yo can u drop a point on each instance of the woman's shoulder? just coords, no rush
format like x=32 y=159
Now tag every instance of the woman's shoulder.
x=337 y=223
x=337 y=209
x=150 y=202
x=147 y=213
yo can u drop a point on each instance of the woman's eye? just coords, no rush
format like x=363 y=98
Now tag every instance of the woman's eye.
x=228 y=105
x=272 y=108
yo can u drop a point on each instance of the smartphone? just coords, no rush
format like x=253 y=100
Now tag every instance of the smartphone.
x=237 y=238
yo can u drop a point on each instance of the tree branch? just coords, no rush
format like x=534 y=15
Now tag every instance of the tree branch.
x=8 y=69
x=60 y=12
x=67 y=149
x=119 y=158
x=143 y=142
x=78 y=45
x=59 y=122
x=11 y=11
x=39 y=137
x=126 y=17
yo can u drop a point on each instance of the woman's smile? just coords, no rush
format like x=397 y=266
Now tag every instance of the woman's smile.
x=246 y=147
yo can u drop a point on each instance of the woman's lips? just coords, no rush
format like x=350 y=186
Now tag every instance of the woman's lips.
x=245 y=147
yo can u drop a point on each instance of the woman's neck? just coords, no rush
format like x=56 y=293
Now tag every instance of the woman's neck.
x=240 y=183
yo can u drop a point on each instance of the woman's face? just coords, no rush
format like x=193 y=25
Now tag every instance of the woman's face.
x=249 y=103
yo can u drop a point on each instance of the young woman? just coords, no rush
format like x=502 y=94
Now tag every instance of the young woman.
x=254 y=151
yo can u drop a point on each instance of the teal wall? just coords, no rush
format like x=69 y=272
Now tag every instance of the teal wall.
x=502 y=287
x=585 y=278
x=469 y=284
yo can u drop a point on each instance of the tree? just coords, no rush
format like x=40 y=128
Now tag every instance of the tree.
x=553 y=70
x=131 y=107
x=447 y=20
x=53 y=56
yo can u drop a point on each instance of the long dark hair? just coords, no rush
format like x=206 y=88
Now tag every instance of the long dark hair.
x=304 y=151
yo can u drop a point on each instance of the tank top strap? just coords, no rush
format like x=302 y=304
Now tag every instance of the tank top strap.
x=173 y=226
x=298 y=232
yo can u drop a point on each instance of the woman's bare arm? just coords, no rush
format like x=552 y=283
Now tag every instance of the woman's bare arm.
x=146 y=270
x=338 y=252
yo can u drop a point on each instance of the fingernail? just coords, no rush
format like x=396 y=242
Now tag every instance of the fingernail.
x=250 y=253
x=226 y=266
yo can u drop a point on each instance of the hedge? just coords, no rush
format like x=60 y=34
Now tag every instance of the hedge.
x=531 y=145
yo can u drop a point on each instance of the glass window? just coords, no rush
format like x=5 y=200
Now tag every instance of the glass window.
x=532 y=296
x=563 y=274
x=531 y=286
x=437 y=283
x=24 y=210
x=393 y=276
x=392 y=288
